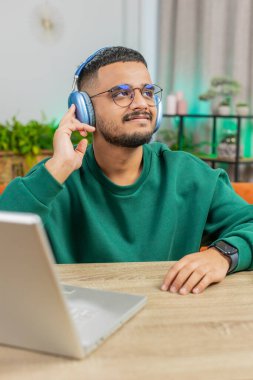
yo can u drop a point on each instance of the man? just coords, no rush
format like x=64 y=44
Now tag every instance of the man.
x=122 y=199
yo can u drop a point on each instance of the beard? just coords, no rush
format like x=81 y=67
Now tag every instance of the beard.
x=110 y=132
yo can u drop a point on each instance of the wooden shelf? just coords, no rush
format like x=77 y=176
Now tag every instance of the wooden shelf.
x=226 y=160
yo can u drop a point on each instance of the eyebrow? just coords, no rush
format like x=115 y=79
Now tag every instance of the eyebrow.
x=118 y=85
x=133 y=86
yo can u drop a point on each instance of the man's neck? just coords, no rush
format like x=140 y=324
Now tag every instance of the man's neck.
x=122 y=166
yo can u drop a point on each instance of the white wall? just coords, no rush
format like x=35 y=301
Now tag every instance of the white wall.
x=37 y=67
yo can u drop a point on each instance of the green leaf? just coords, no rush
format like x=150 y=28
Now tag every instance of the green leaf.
x=35 y=149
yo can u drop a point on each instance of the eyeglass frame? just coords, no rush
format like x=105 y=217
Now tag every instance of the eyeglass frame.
x=133 y=91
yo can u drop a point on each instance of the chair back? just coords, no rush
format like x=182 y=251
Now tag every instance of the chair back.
x=245 y=190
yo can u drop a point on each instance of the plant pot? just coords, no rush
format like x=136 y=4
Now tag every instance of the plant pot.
x=224 y=110
x=226 y=151
x=13 y=165
x=242 y=110
x=227 y=147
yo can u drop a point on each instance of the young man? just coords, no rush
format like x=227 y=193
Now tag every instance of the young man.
x=122 y=199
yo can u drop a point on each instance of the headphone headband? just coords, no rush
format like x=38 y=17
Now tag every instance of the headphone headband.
x=90 y=58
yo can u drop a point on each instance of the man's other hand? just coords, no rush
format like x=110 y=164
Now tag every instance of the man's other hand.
x=196 y=271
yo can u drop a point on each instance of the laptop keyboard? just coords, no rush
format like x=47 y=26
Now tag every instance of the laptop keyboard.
x=79 y=314
x=79 y=309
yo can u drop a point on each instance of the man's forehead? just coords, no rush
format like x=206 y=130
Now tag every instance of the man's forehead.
x=123 y=72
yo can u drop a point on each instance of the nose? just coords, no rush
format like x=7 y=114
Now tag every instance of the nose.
x=138 y=100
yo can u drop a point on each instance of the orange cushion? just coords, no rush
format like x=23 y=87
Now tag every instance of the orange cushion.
x=2 y=187
x=245 y=190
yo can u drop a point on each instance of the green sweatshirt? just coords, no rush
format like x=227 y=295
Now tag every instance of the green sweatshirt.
x=177 y=204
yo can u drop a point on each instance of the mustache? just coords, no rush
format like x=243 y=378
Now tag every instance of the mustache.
x=135 y=114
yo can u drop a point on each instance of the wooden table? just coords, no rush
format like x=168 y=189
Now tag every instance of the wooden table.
x=206 y=336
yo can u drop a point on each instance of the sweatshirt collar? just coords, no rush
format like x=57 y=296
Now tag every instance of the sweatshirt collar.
x=96 y=171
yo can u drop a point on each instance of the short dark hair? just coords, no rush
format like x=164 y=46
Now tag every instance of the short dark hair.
x=106 y=57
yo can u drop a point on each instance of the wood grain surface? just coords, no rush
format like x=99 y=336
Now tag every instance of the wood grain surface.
x=206 y=336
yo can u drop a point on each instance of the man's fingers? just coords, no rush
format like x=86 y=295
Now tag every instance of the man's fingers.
x=84 y=127
x=188 y=280
x=69 y=114
x=82 y=146
x=75 y=125
x=69 y=119
x=192 y=281
x=195 y=272
x=182 y=278
x=171 y=275
x=203 y=284
x=71 y=111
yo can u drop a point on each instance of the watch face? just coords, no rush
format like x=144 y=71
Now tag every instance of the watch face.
x=226 y=248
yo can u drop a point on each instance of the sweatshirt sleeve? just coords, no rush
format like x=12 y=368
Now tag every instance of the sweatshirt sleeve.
x=231 y=219
x=33 y=193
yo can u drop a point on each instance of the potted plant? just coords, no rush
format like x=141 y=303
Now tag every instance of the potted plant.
x=224 y=107
x=242 y=109
x=221 y=89
x=23 y=145
x=227 y=146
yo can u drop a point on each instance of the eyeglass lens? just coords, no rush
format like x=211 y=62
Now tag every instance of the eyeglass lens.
x=123 y=95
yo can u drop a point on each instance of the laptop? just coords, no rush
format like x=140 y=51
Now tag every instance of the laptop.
x=39 y=313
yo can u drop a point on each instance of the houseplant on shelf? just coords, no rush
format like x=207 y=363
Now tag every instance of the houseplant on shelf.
x=221 y=90
x=242 y=109
x=224 y=107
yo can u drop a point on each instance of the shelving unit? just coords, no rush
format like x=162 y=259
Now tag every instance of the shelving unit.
x=213 y=158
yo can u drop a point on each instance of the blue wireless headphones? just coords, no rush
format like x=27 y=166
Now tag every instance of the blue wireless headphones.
x=84 y=107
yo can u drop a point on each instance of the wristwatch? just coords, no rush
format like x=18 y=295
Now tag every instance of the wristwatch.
x=229 y=251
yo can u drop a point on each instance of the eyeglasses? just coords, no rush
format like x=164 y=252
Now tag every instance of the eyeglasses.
x=123 y=94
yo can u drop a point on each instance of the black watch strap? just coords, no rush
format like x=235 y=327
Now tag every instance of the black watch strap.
x=229 y=251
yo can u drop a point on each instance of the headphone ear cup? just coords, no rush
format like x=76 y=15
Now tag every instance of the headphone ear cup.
x=159 y=114
x=84 y=107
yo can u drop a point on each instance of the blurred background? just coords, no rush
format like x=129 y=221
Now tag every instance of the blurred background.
x=43 y=41
x=199 y=51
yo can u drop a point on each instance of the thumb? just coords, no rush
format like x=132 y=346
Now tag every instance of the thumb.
x=82 y=146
